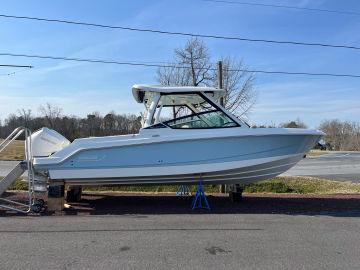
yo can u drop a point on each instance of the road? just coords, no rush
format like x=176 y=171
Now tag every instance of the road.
x=342 y=166
x=203 y=241
x=108 y=232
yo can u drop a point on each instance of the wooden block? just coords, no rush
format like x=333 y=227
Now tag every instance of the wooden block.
x=55 y=204
x=56 y=197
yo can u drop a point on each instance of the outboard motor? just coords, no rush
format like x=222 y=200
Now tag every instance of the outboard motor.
x=47 y=141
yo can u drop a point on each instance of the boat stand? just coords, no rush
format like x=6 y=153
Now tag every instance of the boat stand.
x=235 y=193
x=183 y=190
x=200 y=200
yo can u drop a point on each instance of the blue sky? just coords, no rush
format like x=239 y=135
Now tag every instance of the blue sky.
x=81 y=88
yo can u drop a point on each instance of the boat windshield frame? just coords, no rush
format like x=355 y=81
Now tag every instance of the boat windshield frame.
x=224 y=114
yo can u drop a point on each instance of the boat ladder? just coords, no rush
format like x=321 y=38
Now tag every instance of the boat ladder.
x=25 y=165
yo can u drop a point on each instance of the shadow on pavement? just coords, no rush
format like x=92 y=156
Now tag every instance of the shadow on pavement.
x=141 y=205
x=122 y=204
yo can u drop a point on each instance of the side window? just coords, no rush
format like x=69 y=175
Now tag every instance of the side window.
x=212 y=119
x=190 y=111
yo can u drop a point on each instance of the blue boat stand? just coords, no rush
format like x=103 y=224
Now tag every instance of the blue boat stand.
x=200 y=200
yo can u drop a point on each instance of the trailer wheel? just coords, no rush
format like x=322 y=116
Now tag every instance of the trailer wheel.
x=40 y=202
x=36 y=208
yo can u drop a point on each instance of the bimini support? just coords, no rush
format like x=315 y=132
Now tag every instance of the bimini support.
x=33 y=204
x=200 y=200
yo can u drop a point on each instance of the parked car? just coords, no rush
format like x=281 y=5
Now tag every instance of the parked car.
x=322 y=145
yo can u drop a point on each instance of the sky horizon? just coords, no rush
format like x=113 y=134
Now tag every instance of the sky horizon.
x=82 y=88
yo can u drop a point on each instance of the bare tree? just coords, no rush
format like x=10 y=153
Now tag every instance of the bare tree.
x=342 y=135
x=192 y=67
x=51 y=113
x=239 y=85
x=25 y=117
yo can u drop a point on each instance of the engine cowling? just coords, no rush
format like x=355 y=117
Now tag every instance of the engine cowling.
x=47 y=141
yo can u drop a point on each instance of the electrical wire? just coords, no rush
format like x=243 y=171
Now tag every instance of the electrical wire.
x=344 y=12
x=188 y=34
x=133 y=63
x=15 y=66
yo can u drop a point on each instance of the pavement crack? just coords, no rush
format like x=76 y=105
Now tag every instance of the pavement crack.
x=216 y=250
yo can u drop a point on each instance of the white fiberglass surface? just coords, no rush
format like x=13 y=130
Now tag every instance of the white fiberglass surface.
x=150 y=136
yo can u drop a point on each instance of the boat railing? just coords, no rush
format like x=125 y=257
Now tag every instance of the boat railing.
x=17 y=171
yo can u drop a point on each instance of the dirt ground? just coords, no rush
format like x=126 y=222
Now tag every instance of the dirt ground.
x=165 y=203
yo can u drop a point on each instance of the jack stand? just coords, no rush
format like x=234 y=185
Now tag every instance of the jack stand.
x=183 y=190
x=73 y=194
x=56 y=196
x=235 y=193
x=199 y=198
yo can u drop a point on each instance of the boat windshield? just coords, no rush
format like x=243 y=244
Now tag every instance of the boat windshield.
x=189 y=111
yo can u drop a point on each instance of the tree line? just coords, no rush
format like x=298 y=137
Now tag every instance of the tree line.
x=340 y=135
x=72 y=127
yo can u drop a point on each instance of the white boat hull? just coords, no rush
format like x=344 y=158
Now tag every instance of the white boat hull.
x=223 y=173
x=222 y=156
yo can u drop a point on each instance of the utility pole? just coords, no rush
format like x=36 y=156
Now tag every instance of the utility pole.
x=220 y=80
x=222 y=188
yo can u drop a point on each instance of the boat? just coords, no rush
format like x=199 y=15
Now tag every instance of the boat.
x=186 y=137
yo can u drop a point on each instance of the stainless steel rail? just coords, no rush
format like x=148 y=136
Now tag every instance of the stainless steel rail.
x=32 y=204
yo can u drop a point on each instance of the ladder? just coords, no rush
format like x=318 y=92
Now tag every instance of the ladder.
x=26 y=165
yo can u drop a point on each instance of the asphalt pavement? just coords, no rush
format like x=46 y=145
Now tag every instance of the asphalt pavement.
x=341 y=166
x=108 y=232
x=200 y=241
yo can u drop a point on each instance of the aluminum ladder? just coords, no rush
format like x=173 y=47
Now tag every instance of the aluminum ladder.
x=26 y=165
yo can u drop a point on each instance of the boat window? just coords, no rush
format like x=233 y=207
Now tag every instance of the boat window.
x=190 y=111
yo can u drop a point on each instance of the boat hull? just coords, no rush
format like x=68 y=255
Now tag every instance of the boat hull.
x=219 y=159
x=241 y=174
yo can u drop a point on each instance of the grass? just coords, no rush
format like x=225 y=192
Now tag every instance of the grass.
x=316 y=153
x=15 y=151
x=295 y=185
x=19 y=185
x=302 y=185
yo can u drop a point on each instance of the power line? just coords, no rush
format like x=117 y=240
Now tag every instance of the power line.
x=15 y=66
x=188 y=34
x=133 y=63
x=12 y=66
x=344 y=12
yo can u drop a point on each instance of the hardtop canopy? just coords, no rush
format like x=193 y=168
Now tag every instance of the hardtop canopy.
x=142 y=93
